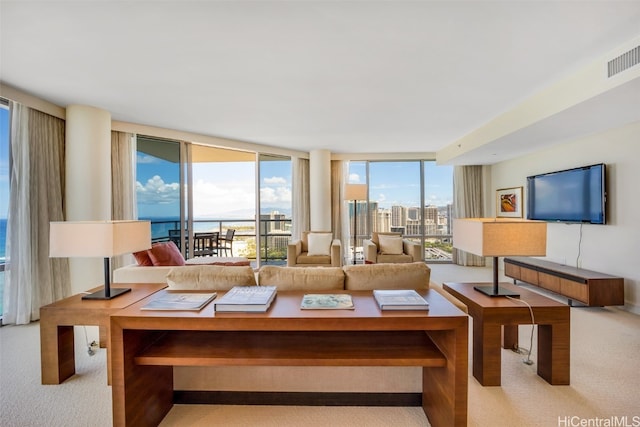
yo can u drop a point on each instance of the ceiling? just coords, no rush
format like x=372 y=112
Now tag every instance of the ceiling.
x=346 y=76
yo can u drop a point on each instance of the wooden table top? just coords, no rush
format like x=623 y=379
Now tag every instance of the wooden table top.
x=465 y=293
x=286 y=307
x=138 y=291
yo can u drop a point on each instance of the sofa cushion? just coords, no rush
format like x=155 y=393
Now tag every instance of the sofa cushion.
x=414 y=275
x=214 y=277
x=390 y=245
x=143 y=259
x=305 y=258
x=319 y=244
x=165 y=253
x=401 y=258
x=302 y=278
x=375 y=236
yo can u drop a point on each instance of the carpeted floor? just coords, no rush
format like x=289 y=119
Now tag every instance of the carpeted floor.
x=605 y=384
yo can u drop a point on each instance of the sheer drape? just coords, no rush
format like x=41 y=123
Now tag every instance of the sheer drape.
x=468 y=196
x=300 y=188
x=32 y=279
x=337 y=209
x=123 y=185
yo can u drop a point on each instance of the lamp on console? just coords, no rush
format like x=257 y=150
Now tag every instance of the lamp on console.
x=497 y=237
x=88 y=239
x=355 y=192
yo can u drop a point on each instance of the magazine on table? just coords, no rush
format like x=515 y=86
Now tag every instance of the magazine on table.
x=327 y=302
x=180 y=301
x=400 y=299
x=248 y=299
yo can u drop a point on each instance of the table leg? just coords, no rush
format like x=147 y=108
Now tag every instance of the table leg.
x=554 y=353
x=487 y=358
x=510 y=337
x=445 y=389
x=57 y=352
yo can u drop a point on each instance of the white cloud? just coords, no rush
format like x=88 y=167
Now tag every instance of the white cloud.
x=278 y=196
x=217 y=199
x=354 y=178
x=275 y=180
x=156 y=191
x=146 y=159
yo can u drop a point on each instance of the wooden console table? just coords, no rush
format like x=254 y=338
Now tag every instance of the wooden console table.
x=147 y=344
x=57 y=350
x=588 y=287
x=493 y=315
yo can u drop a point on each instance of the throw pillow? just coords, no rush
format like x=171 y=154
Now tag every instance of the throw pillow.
x=165 y=253
x=142 y=258
x=390 y=245
x=319 y=243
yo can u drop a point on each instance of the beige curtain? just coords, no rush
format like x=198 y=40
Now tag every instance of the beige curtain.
x=468 y=203
x=32 y=279
x=301 y=216
x=123 y=184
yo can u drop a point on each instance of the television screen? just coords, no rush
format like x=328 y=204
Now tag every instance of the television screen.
x=573 y=195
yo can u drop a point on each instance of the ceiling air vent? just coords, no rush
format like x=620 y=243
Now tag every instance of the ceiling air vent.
x=624 y=61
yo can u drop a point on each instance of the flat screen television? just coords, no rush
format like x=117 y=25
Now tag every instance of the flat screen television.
x=572 y=195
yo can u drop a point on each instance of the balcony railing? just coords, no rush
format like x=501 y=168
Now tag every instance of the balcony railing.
x=274 y=235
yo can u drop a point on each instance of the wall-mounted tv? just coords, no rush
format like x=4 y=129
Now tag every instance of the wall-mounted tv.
x=572 y=195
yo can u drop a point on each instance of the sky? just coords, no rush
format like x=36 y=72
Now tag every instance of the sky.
x=221 y=190
x=227 y=190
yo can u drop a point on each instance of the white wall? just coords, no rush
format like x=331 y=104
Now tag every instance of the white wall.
x=613 y=248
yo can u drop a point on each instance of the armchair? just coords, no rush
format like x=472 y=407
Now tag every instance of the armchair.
x=390 y=248
x=315 y=248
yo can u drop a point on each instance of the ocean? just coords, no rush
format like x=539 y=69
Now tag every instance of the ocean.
x=3 y=237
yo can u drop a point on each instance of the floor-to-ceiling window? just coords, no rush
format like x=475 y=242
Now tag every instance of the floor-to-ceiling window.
x=158 y=188
x=275 y=207
x=4 y=188
x=188 y=189
x=438 y=203
x=411 y=197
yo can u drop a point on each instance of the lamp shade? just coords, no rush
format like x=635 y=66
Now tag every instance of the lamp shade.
x=499 y=237
x=87 y=239
x=355 y=192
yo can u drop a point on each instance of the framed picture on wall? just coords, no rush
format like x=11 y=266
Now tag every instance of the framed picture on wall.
x=509 y=202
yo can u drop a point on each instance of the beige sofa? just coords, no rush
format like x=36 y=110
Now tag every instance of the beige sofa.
x=378 y=379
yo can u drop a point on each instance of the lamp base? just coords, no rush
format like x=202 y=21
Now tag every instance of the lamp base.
x=100 y=294
x=501 y=292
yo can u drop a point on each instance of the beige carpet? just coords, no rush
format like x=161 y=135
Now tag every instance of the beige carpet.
x=605 y=383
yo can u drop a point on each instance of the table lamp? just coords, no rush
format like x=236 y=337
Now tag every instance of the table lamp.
x=355 y=192
x=498 y=237
x=88 y=239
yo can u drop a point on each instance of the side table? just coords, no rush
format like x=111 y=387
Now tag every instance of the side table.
x=490 y=314
x=57 y=353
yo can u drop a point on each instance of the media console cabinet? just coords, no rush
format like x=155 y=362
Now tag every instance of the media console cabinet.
x=146 y=345
x=588 y=287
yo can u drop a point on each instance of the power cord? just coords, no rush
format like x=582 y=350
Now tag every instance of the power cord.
x=91 y=348
x=528 y=360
